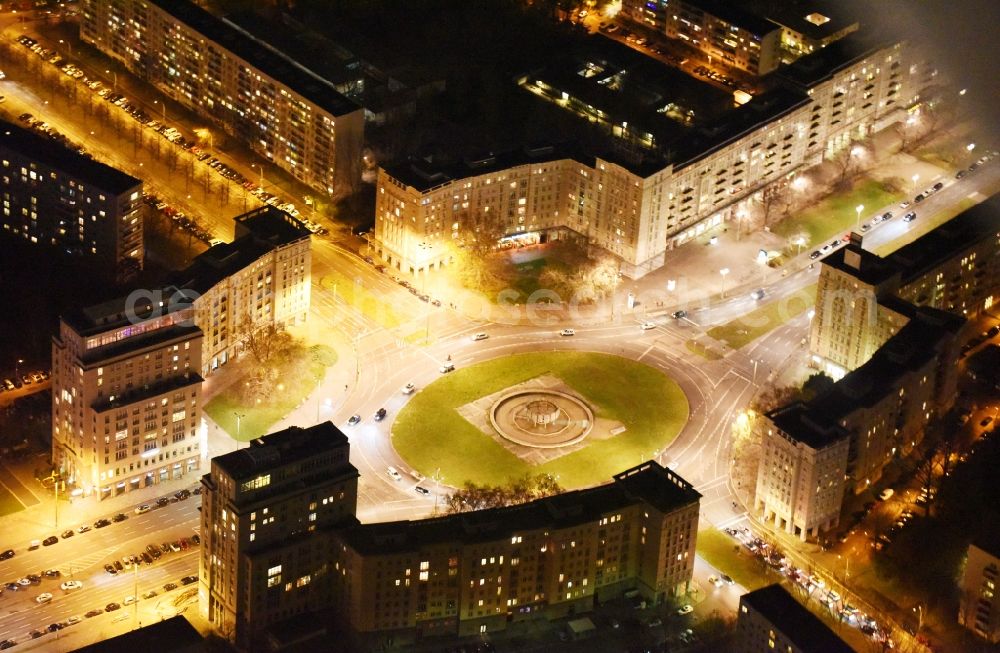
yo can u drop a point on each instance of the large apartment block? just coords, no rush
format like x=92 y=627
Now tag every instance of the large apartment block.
x=723 y=32
x=280 y=539
x=637 y=212
x=126 y=396
x=55 y=196
x=278 y=107
x=476 y=572
x=260 y=280
x=979 y=610
x=872 y=415
x=265 y=519
x=863 y=299
x=770 y=619
x=800 y=485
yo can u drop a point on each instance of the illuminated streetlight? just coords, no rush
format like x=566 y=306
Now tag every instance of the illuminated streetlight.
x=859 y=208
x=724 y=272
x=114 y=77
x=799 y=242
x=915 y=179
x=163 y=105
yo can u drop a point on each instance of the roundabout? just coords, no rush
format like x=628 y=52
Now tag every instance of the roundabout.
x=579 y=416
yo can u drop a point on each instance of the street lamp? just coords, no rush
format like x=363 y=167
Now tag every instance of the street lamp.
x=260 y=169
x=724 y=272
x=919 y=609
x=163 y=105
x=859 y=208
x=800 y=241
x=239 y=424
x=17 y=365
x=114 y=77
x=68 y=45
x=914 y=179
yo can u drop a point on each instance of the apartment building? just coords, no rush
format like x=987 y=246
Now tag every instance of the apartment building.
x=856 y=307
x=979 y=610
x=843 y=438
x=863 y=299
x=726 y=34
x=266 y=510
x=955 y=267
x=278 y=107
x=476 y=572
x=800 y=483
x=770 y=619
x=810 y=26
x=55 y=196
x=126 y=396
x=637 y=207
x=260 y=280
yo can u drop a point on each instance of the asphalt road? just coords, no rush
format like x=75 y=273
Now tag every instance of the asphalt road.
x=82 y=558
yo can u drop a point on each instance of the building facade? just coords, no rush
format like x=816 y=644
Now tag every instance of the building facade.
x=770 y=619
x=979 y=610
x=803 y=465
x=715 y=173
x=126 y=396
x=863 y=299
x=476 y=572
x=279 y=108
x=240 y=290
x=724 y=33
x=55 y=196
x=266 y=512
x=844 y=437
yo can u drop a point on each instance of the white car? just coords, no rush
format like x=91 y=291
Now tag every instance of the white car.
x=567 y=332
x=393 y=474
x=480 y=336
x=144 y=508
x=129 y=600
x=408 y=389
x=44 y=597
x=685 y=609
x=714 y=580
x=70 y=585
x=646 y=326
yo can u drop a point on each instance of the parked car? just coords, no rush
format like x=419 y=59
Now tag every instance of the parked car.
x=354 y=419
x=447 y=367
x=567 y=332
x=687 y=608
x=144 y=508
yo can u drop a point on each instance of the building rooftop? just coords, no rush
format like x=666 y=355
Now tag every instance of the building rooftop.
x=794 y=621
x=942 y=243
x=763 y=109
x=649 y=482
x=803 y=425
x=733 y=15
x=822 y=64
x=816 y=20
x=50 y=153
x=909 y=349
x=861 y=264
x=988 y=545
x=173 y=635
x=279 y=67
x=429 y=172
x=282 y=448
x=257 y=233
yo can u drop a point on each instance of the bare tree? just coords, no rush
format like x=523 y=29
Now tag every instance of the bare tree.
x=263 y=341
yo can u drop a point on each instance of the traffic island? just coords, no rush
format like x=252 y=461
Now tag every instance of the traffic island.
x=580 y=417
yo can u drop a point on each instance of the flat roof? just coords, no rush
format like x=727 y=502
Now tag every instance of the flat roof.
x=803 y=425
x=797 y=17
x=280 y=449
x=648 y=482
x=910 y=348
x=258 y=232
x=762 y=110
x=425 y=173
x=279 y=67
x=942 y=243
x=794 y=621
x=172 y=635
x=822 y=64
x=871 y=268
x=48 y=152
x=733 y=15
